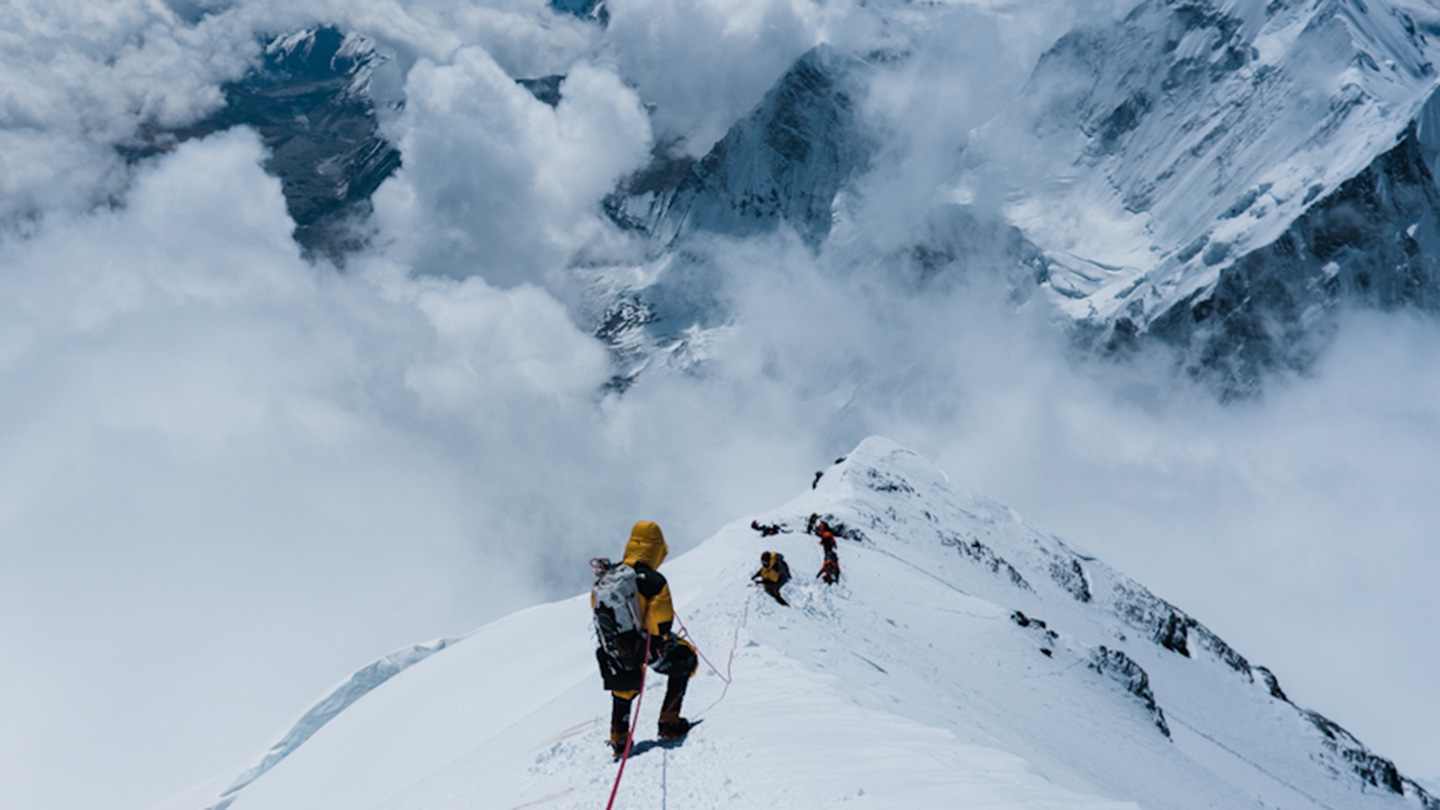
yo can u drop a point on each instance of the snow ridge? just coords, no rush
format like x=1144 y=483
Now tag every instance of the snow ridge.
x=965 y=658
x=341 y=698
x=1095 y=588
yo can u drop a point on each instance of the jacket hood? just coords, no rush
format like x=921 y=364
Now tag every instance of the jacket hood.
x=647 y=545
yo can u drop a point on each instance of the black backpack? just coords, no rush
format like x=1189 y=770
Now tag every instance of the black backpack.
x=778 y=562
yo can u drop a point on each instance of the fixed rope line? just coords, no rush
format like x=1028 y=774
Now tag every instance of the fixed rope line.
x=634 y=721
x=735 y=643
x=726 y=676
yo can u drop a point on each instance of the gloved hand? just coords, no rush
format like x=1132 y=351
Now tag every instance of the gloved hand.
x=669 y=655
x=661 y=644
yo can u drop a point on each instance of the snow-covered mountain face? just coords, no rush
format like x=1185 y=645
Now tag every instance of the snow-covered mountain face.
x=966 y=656
x=783 y=163
x=1220 y=174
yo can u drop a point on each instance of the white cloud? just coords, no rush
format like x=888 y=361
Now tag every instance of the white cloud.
x=705 y=63
x=496 y=182
x=77 y=78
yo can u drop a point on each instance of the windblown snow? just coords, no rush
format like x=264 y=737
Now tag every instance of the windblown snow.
x=966 y=659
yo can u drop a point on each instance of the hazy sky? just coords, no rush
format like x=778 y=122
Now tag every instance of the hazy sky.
x=229 y=477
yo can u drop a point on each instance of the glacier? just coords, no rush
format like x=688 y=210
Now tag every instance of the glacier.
x=966 y=657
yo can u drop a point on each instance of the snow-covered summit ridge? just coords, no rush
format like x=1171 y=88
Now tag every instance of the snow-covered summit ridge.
x=357 y=686
x=965 y=657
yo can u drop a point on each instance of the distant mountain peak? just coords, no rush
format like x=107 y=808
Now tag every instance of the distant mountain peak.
x=782 y=163
x=1191 y=139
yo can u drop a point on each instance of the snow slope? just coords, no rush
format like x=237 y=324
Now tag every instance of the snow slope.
x=966 y=659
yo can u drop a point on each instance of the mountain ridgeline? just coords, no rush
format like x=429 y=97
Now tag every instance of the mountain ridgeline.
x=970 y=655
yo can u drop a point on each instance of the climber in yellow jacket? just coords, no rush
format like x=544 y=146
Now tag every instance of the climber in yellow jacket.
x=669 y=655
x=774 y=572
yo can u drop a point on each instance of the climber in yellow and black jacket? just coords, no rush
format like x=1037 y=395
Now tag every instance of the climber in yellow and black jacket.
x=774 y=572
x=669 y=655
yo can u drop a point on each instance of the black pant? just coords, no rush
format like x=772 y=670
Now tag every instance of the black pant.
x=674 y=697
x=773 y=588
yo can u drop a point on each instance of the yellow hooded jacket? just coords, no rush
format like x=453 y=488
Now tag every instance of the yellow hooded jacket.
x=647 y=548
x=645 y=551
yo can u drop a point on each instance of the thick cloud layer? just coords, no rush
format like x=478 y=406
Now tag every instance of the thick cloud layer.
x=228 y=476
x=497 y=183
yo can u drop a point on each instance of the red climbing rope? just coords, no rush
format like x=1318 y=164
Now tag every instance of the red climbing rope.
x=634 y=720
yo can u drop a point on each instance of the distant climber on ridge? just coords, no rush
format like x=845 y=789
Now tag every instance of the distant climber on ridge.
x=830 y=568
x=826 y=535
x=633 y=610
x=773 y=573
x=767 y=529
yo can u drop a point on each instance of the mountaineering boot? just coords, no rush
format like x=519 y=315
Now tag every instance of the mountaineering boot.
x=619 y=725
x=672 y=725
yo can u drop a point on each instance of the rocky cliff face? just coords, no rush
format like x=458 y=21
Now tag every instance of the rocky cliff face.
x=781 y=166
x=311 y=100
x=592 y=10
x=783 y=163
x=1373 y=242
